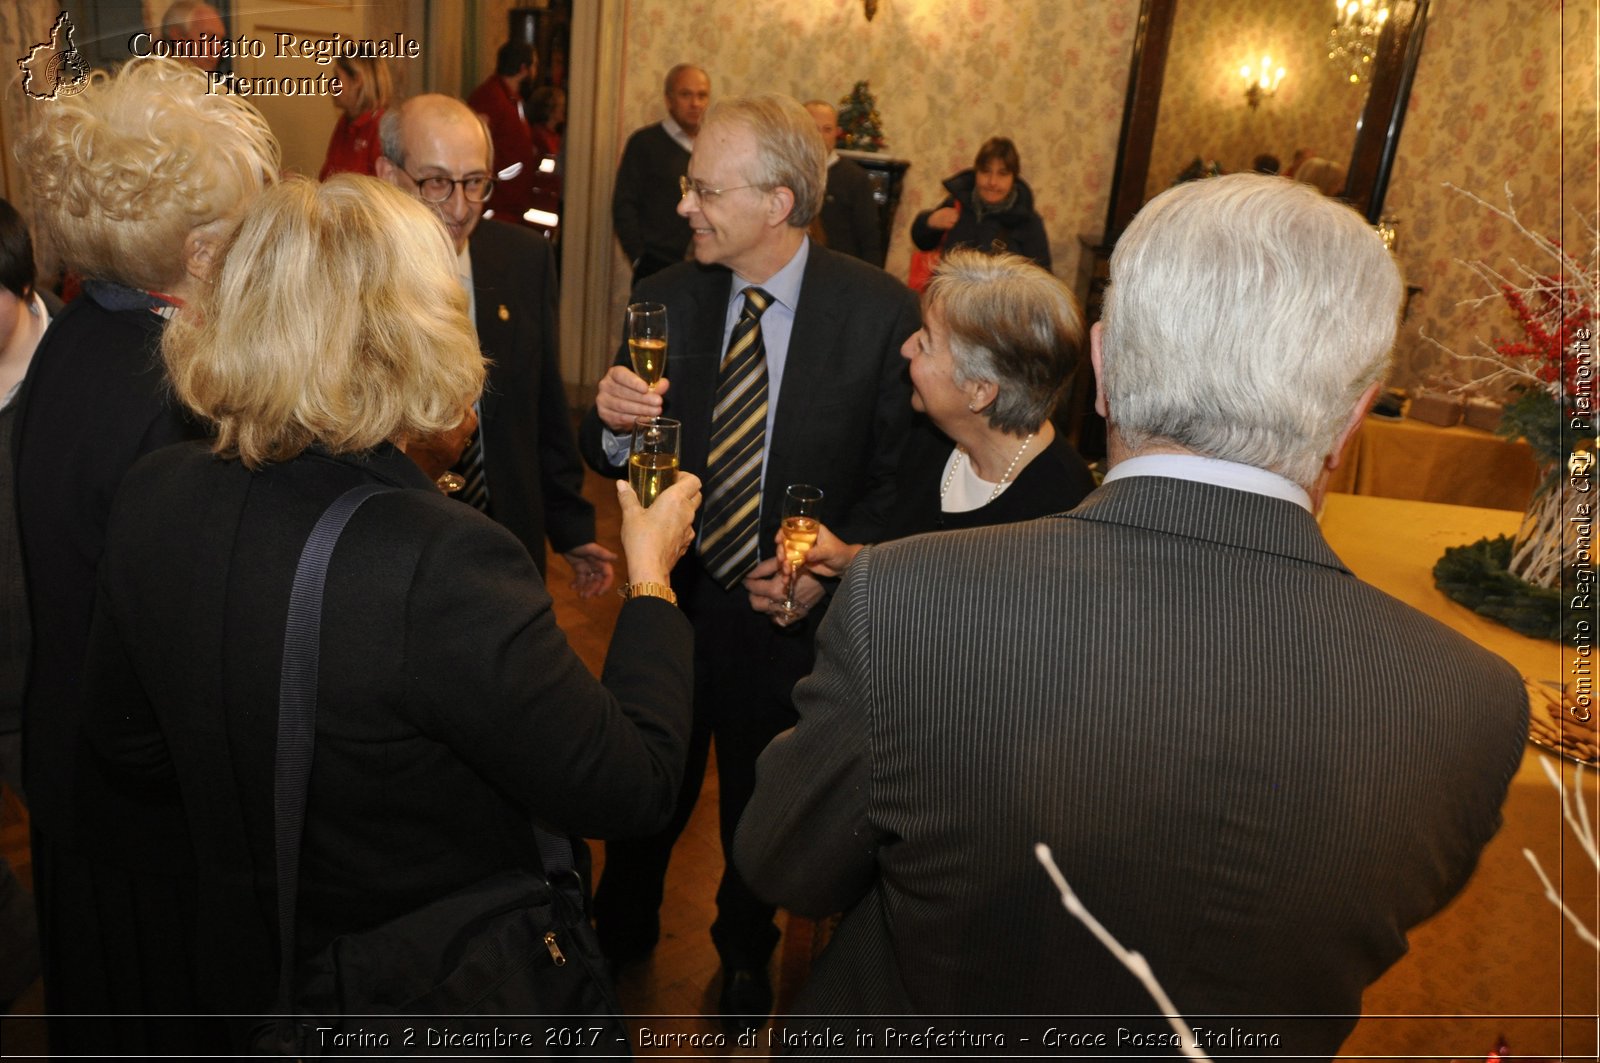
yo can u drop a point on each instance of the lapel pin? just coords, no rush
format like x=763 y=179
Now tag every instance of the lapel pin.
x=505 y=315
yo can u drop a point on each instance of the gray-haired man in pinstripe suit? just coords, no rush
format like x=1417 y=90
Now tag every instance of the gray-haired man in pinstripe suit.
x=1253 y=768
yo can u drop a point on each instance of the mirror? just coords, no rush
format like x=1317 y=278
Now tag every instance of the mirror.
x=1208 y=114
x=1187 y=96
x=1184 y=68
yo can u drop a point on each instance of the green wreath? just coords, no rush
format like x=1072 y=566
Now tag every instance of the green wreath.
x=1477 y=576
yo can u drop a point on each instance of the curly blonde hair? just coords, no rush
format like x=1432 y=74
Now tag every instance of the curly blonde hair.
x=337 y=318
x=123 y=172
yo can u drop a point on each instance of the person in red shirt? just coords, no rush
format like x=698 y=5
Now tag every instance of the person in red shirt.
x=499 y=100
x=367 y=88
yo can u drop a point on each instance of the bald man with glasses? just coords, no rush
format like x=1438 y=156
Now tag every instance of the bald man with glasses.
x=521 y=467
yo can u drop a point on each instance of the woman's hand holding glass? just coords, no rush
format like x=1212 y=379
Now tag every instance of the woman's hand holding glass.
x=829 y=555
x=654 y=539
x=769 y=581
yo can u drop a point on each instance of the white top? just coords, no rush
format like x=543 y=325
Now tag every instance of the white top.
x=1232 y=474
x=968 y=491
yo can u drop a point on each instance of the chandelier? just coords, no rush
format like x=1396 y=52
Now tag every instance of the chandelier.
x=1353 y=41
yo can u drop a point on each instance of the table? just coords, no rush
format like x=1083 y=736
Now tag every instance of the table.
x=1500 y=958
x=1459 y=465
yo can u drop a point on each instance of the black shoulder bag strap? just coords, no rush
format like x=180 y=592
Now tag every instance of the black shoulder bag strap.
x=297 y=714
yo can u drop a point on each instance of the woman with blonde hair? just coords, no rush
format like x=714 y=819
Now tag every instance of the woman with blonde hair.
x=136 y=182
x=366 y=90
x=451 y=712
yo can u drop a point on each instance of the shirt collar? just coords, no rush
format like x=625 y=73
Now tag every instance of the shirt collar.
x=1201 y=469
x=678 y=133
x=784 y=285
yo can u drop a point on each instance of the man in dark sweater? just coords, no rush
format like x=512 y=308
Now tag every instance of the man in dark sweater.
x=644 y=204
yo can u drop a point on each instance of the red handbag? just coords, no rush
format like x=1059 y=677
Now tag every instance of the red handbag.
x=923 y=263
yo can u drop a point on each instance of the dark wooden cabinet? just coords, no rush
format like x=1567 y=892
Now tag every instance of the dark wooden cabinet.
x=888 y=175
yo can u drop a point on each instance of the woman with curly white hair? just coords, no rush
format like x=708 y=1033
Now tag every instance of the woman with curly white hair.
x=137 y=183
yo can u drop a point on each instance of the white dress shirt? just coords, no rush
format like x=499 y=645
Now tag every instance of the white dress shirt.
x=1213 y=471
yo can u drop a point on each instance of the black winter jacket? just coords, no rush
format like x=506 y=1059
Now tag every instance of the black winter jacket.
x=1019 y=230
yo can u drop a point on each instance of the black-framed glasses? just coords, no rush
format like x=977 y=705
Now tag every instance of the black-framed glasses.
x=437 y=189
x=704 y=192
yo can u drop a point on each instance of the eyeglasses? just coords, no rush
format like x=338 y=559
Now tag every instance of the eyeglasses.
x=705 y=193
x=439 y=189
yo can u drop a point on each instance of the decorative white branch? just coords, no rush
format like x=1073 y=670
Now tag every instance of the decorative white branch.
x=1133 y=961
x=1580 y=826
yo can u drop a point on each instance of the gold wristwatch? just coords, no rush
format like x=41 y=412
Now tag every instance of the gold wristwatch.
x=648 y=589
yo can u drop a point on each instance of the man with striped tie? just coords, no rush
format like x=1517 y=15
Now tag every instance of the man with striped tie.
x=783 y=366
x=521 y=466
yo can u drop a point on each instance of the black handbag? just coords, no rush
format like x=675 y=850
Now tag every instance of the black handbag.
x=509 y=965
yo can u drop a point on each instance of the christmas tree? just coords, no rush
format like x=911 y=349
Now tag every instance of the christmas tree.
x=860 y=128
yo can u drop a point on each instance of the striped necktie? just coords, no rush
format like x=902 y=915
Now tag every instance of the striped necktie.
x=730 y=528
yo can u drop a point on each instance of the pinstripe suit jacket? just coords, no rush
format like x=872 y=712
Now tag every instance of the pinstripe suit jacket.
x=1253 y=768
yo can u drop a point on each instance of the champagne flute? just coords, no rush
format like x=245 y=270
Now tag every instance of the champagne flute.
x=647 y=340
x=802 y=504
x=653 y=457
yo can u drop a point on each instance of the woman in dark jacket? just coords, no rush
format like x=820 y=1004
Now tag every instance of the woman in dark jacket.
x=136 y=183
x=990 y=207
x=452 y=715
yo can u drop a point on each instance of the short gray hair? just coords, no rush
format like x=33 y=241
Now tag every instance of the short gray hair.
x=1012 y=323
x=1245 y=317
x=789 y=150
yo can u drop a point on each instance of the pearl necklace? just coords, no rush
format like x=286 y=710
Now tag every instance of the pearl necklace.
x=1006 y=478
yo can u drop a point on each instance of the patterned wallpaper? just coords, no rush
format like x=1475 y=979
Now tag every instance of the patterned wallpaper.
x=948 y=74
x=1501 y=89
x=1504 y=95
x=1203 y=108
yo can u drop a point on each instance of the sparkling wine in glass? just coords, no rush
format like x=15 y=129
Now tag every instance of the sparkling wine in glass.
x=647 y=340
x=653 y=457
x=802 y=505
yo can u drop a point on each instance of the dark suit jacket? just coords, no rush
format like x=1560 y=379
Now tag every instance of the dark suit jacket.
x=451 y=710
x=1252 y=768
x=845 y=402
x=850 y=214
x=530 y=459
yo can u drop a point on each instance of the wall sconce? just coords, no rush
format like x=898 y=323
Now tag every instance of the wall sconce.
x=1263 y=84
